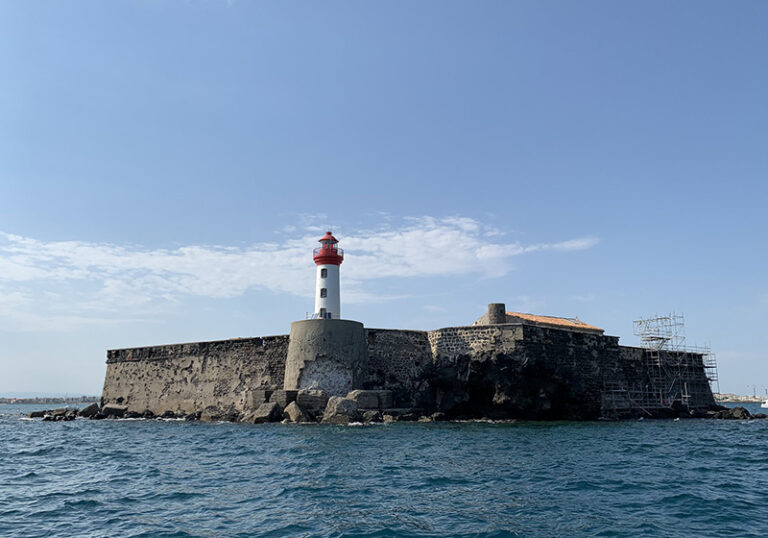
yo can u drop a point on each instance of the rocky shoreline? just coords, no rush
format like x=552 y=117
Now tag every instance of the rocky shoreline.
x=316 y=406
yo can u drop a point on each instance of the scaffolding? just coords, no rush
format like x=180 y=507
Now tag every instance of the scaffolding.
x=672 y=373
x=674 y=368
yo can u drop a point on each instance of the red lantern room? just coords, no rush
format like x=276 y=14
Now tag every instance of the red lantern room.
x=328 y=253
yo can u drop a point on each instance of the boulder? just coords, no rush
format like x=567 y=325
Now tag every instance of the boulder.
x=59 y=415
x=313 y=402
x=365 y=399
x=210 y=414
x=759 y=415
x=114 y=410
x=739 y=413
x=372 y=416
x=340 y=411
x=267 y=412
x=169 y=414
x=294 y=413
x=38 y=414
x=89 y=410
x=389 y=418
x=283 y=397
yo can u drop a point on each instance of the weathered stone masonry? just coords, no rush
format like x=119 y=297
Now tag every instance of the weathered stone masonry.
x=504 y=370
x=185 y=378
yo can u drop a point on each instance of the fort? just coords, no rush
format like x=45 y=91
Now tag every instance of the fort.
x=504 y=365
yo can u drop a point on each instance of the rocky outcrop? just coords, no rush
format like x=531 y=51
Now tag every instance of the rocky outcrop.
x=114 y=410
x=734 y=413
x=266 y=412
x=61 y=414
x=313 y=402
x=340 y=411
x=89 y=410
x=215 y=414
x=510 y=385
x=294 y=413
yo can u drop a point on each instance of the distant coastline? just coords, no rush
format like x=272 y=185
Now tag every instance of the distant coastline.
x=736 y=398
x=51 y=400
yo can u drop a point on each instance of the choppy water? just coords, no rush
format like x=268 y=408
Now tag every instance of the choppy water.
x=154 y=478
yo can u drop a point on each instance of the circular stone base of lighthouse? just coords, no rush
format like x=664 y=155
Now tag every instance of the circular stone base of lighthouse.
x=327 y=354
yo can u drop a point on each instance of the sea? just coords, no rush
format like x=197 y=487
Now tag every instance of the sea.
x=146 y=478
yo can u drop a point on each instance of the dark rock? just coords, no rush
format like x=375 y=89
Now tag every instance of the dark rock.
x=60 y=412
x=89 y=410
x=294 y=413
x=735 y=413
x=216 y=414
x=312 y=401
x=504 y=385
x=759 y=415
x=133 y=414
x=267 y=412
x=39 y=414
x=211 y=414
x=340 y=411
x=169 y=414
x=191 y=417
x=230 y=415
x=114 y=410
x=99 y=416
x=148 y=414
x=739 y=413
x=372 y=416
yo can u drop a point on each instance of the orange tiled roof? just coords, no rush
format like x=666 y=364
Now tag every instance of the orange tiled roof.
x=550 y=320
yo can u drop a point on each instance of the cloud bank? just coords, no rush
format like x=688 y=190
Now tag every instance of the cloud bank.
x=79 y=279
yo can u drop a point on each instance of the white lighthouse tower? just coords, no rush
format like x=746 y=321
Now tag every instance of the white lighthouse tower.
x=328 y=258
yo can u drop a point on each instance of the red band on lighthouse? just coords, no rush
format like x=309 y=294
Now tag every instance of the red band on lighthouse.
x=328 y=253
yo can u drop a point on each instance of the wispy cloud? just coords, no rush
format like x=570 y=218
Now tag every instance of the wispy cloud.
x=84 y=280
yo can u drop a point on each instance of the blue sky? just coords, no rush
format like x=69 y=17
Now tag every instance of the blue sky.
x=166 y=167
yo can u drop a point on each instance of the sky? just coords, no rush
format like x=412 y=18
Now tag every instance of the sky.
x=167 y=167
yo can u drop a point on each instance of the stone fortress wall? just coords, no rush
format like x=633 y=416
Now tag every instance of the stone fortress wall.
x=185 y=378
x=495 y=370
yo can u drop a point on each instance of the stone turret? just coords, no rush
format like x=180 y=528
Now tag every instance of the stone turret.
x=497 y=313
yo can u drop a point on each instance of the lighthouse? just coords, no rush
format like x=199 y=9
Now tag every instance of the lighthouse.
x=328 y=257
